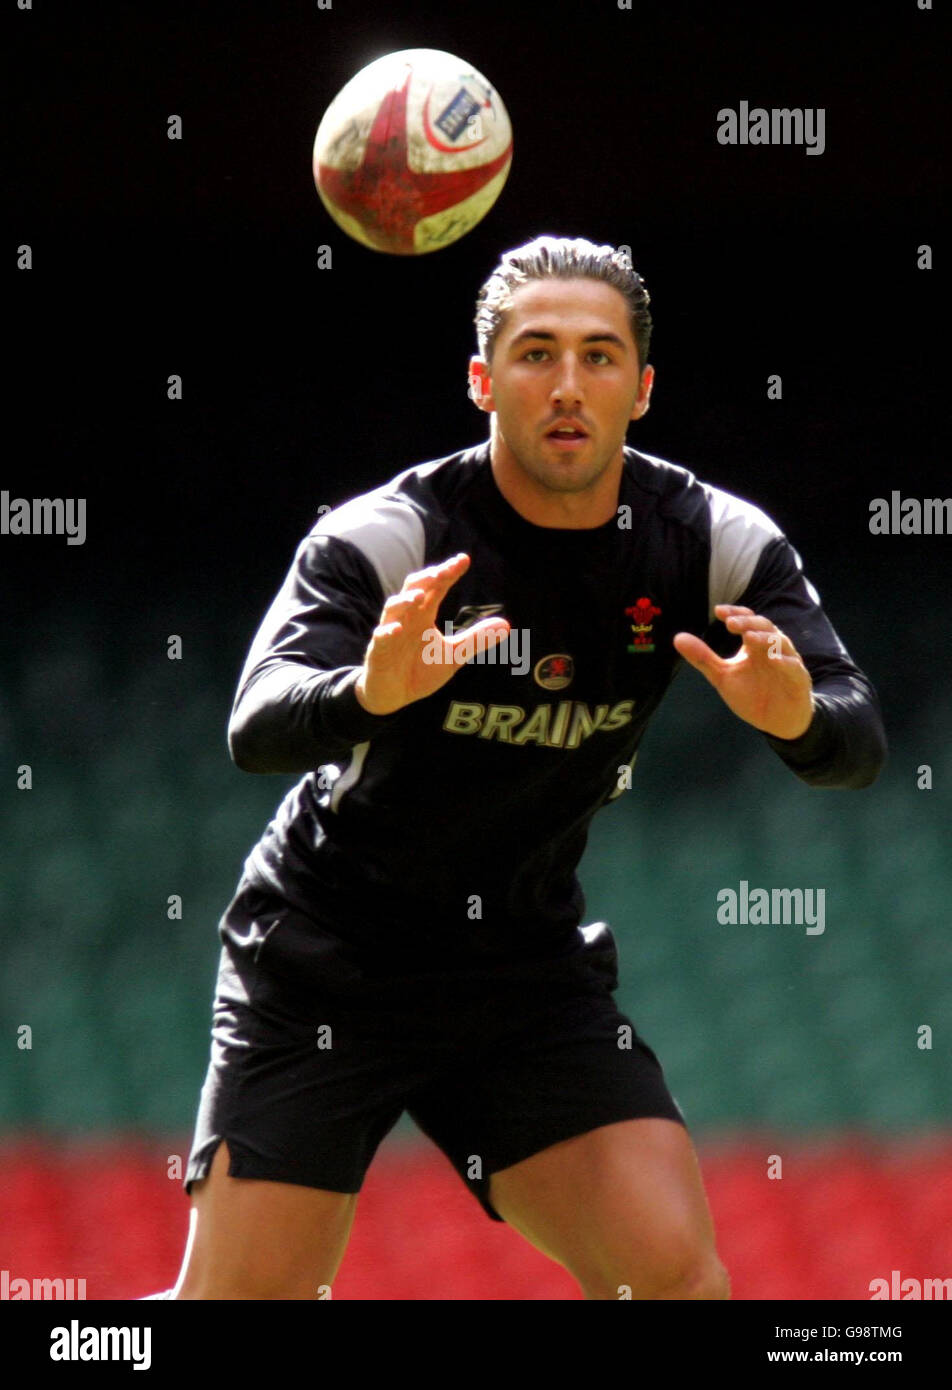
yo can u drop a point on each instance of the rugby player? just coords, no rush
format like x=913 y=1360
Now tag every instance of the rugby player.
x=408 y=933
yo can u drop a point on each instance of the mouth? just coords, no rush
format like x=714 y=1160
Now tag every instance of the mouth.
x=567 y=437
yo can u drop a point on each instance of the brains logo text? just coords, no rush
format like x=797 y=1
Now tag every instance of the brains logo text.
x=564 y=725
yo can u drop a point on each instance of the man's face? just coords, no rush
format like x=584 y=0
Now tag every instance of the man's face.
x=565 y=352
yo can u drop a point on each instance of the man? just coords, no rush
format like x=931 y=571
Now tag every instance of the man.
x=406 y=935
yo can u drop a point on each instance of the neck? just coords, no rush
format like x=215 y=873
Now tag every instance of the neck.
x=544 y=506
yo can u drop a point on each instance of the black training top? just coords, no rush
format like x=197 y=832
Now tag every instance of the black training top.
x=457 y=823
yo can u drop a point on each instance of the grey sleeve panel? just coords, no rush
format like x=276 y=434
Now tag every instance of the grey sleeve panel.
x=752 y=563
x=296 y=705
x=388 y=532
x=739 y=533
x=845 y=745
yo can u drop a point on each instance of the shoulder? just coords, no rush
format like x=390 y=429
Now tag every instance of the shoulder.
x=394 y=525
x=719 y=516
x=731 y=535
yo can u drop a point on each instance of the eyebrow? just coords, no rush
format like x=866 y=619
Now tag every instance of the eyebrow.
x=548 y=337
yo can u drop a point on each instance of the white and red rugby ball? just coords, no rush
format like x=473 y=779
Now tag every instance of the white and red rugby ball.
x=412 y=152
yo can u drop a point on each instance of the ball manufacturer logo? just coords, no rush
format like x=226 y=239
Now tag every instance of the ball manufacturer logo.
x=554 y=672
x=457 y=117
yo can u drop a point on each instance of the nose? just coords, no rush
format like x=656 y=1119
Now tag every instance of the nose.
x=568 y=386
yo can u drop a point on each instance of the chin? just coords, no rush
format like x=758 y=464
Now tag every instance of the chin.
x=565 y=479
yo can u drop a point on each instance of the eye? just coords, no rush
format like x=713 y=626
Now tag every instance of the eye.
x=532 y=352
x=597 y=352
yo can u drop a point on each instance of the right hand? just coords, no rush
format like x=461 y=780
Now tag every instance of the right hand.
x=394 y=672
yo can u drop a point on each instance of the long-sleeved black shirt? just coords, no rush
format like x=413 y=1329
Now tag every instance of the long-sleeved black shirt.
x=456 y=824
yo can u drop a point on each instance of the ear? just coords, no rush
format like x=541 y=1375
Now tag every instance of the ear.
x=480 y=384
x=644 y=393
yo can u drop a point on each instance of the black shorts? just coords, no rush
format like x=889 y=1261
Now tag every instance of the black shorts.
x=493 y=1063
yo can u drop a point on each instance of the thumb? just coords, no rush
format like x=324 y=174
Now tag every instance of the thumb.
x=697 y=653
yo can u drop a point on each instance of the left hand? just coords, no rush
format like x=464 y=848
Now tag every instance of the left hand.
x=766 y=683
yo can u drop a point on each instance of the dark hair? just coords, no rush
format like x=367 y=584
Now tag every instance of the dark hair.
x=550 y=257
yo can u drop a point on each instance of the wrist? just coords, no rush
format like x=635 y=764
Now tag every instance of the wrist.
x=360 y=693
x=799 y=730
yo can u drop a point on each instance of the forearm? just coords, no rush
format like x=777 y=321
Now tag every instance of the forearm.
x=291 y=718
x=845 y=745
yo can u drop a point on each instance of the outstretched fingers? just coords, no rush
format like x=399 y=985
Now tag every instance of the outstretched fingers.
x=436 y=580
x=762 y=639
x=399 y=663
x=421 y=595
x=402 y=605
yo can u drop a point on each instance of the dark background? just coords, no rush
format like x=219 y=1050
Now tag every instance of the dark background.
x=303 y=387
